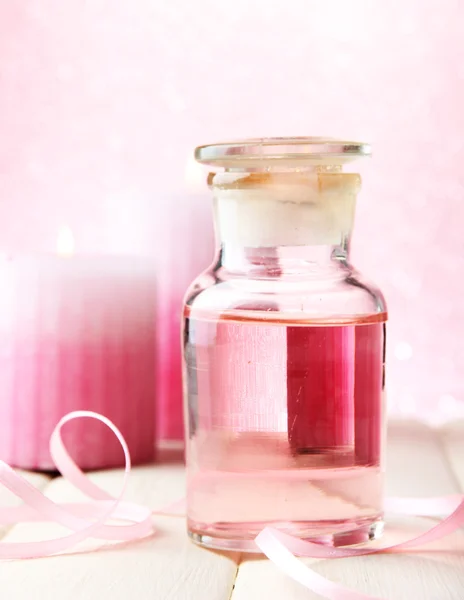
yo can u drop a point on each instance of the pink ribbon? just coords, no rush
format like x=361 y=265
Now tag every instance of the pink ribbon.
x=84 y=519
x=90 y=519
x=278 y=546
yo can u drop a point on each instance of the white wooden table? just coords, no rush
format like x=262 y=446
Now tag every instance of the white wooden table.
x=421 y=462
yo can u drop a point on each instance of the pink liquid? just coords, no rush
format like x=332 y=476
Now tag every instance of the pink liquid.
x=285 y=428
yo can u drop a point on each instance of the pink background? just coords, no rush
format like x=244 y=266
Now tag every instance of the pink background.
x=101 y=103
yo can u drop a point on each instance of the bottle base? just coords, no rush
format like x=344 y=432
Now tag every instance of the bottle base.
x=240 y=536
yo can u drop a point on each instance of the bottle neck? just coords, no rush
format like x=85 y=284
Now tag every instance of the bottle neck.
x=275 y=223
x=275 y=261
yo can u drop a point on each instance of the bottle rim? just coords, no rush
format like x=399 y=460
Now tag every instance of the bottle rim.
x=257 y=152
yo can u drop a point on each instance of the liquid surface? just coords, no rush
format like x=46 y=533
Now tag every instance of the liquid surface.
x=284 y=424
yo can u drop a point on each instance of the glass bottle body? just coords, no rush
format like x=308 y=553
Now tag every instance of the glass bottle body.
x=284 y=351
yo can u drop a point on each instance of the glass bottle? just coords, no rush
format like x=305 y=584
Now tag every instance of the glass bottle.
x=284 y=348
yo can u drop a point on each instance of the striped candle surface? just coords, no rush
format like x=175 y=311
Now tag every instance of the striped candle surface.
x=76 y=333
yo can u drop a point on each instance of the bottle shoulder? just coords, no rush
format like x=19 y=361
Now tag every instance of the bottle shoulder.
x=346 y=294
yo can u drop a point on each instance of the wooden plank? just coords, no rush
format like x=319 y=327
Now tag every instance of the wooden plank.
x=168 y=567
x=453 y=442
x=7 y=498
x=417 y=465
x=165 y=567
x=416 y=462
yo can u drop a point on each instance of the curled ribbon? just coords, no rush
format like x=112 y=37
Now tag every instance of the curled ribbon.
x=84 y=519
x=90 y=520
x=279 y=546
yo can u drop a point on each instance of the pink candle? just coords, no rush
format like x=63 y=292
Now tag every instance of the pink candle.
x=369 y=384
x=320 y=388
x=184 y=247
x=76 y=333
